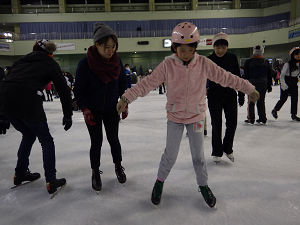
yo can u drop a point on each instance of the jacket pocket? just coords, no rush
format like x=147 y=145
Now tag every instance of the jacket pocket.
x=174 y=107
x=196 y=108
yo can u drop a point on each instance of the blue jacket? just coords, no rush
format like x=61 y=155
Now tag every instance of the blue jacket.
x=90 y=92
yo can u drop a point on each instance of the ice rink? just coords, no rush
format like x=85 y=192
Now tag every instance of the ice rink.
x=262 y=186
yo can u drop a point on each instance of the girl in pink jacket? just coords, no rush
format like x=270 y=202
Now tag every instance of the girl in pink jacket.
x=185 y=73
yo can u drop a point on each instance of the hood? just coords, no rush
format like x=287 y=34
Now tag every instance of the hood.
x=36 y=56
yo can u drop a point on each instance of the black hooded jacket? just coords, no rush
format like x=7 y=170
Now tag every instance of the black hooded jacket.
x=19 y=92
x=229 y=63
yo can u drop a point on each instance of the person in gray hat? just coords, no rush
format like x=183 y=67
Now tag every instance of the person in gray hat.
x=258 y=71
x=100 y=81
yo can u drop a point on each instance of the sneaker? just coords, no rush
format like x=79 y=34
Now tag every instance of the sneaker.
x=120 y=173
x=230 y=156
x=208 y=196
x=53 y=185
x=96 y=180
x=263 y=122
x=156 y=192
x=295 y=118
x=274 y=113
x=249 y=121
x=27 y=176
x=216 y=159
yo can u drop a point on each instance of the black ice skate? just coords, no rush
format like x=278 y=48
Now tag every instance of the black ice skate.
x=27 y=176
x=208 y=196
x=248 y=121
x=156 y=192
x=96 y=180
x=295 y=118
x=119 y=169
x=274 y=114
x=262 y=122
x=53 y=185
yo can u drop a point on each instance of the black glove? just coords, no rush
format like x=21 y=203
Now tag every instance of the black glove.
x=241 y=98
x=4 y=125
x=269 y=89
x=67 y=123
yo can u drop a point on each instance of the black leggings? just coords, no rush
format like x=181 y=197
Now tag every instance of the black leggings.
x=111 y=125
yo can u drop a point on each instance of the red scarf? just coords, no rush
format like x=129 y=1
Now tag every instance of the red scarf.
x=106 y=70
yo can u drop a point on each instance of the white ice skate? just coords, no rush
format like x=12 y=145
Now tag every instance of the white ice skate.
x=216 y=159
x=230 y=156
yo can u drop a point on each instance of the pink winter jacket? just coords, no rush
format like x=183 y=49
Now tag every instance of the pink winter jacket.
x=186 y=86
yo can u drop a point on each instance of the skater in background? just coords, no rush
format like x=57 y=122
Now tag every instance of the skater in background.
x=2 y=74
x=185 y=74
x=162 y=89
x=128 y=75
x=258 y=71
x=289 y=77
x=223 y=99
x=48 y=89
x=29 y=76
x=99 y=82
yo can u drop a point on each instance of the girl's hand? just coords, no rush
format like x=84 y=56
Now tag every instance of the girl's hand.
x=121 y=105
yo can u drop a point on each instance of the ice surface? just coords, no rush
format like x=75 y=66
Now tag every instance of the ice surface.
x=262 y=186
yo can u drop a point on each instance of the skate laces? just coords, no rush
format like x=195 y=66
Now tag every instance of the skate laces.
x=205 y=191
x=120 y=170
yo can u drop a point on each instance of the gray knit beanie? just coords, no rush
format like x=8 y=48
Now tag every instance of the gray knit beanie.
x=102 y=30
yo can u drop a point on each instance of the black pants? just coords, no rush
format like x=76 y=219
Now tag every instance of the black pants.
x=49 y=95
x=111 y=125
x=216 y=106
x=30 y=131
x=161 y=87
x=260 y=104
x=293 y=92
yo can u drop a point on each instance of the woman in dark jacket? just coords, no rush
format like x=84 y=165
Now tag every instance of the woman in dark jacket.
x=29 y=75
x=223 y=98
x=100 y=81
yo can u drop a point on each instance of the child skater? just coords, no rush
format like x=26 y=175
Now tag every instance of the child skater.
x=289 y=84
x=185 y=73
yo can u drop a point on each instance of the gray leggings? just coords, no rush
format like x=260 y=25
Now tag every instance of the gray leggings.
x=196 y=138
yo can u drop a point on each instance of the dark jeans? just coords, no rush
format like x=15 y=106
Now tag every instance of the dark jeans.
x=260 y=104
x=30 y=131
x=111 y=125
x=293 y=92
x=216 y=106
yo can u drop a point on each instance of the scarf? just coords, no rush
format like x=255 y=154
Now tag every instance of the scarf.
x=106 y=70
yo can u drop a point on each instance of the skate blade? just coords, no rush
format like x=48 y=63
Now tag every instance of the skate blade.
x=58 y=190
x=27 y=182
x=22 y=184
x=215 y=207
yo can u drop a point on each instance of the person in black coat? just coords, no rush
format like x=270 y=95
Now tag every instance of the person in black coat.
x=259 y=72
x=100 y=81
x=223 y=98
x=29 y=76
